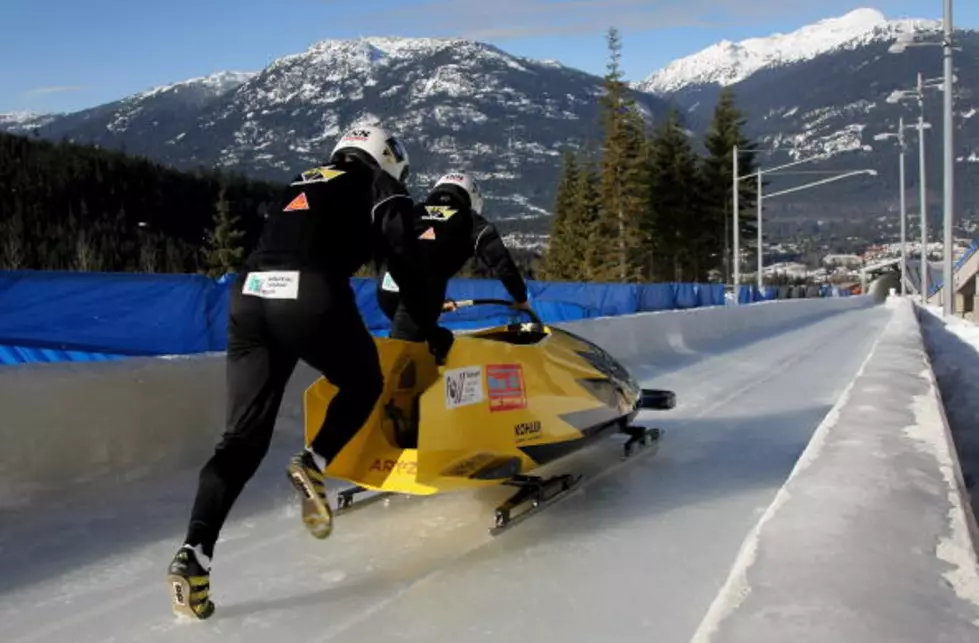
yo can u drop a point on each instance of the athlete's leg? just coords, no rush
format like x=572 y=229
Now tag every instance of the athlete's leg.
x=258 y=371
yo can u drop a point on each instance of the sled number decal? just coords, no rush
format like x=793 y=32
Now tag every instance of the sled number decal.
x=463 y=386
x=506 y=387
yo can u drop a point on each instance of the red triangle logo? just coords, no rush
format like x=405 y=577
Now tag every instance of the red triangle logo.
x=299 y=203
x=428 y=234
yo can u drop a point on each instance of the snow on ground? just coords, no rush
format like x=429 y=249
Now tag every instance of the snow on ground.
x=953 y=346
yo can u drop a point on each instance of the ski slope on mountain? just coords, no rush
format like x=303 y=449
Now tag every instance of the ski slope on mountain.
x=639 y=552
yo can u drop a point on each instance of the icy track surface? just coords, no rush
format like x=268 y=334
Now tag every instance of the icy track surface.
x=636 y=554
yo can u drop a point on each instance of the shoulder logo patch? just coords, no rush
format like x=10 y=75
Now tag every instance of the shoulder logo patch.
x=321 y=174
x=299 y=203
x=438 y=212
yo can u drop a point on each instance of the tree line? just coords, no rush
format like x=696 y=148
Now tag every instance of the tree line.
x=642 y=205
x=65 y=206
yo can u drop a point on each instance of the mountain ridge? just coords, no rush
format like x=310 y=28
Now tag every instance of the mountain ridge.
x=456 y=103
x=726 y=63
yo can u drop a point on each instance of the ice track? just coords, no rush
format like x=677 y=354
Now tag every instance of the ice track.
x=637 y=553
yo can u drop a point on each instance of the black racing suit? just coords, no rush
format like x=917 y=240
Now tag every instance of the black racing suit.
x=331 y=222
x=451 y=234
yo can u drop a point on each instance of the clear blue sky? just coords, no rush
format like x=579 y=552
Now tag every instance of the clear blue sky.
x=69 y=54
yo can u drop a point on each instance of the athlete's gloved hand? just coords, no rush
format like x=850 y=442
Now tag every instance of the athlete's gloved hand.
x=440 y=340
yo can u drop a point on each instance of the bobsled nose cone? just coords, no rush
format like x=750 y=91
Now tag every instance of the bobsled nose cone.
x=657 y=400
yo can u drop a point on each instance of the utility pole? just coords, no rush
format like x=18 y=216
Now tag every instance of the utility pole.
x=904 y=212
x=923 y=189
x=761 y=246
x=948 y=301
x=736 y=256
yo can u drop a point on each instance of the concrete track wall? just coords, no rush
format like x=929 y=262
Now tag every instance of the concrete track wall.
x=65 y=425
x=872 y=537
x=662 y=336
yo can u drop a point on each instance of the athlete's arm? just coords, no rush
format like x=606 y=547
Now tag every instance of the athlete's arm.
x=393 y=214
x=489 y=247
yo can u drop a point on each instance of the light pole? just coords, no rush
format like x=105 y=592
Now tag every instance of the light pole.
x=737 y=231
x=918 y=94
x=736 y=255
x=799 y=188
x=761 y=237
x=907 y=40
x=902 y=144
x=902 y=200
x=948 y=301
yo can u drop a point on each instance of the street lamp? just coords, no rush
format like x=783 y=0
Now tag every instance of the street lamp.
x=918 y=94
x=900 y=44
x=904 y=209
x=737 y=228
x=799 y=188
x=831 y=179
x=921 y=126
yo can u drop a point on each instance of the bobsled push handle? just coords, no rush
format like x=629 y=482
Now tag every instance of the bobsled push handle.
x=468 y=303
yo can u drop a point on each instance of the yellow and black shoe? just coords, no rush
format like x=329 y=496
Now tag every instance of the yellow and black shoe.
x=189 y=583
x=308 y=480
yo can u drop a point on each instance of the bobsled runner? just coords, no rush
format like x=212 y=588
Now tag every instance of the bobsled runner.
x=508 y=400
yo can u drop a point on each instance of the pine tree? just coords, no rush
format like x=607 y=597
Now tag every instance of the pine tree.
x=623 y=195
x=716 y=170
x=224 y=250
x=677 y=228
x=560 y=263
x=584 y=223
x=13 y=254
x=87 y=256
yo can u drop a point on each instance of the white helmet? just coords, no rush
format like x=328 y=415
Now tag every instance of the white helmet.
x=465 y=182
x=381 y=146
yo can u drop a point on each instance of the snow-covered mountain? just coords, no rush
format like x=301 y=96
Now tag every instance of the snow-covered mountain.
x=456 y=103
x=140 y=123
x=24 y=122
x=824 y=89
x=726 y=63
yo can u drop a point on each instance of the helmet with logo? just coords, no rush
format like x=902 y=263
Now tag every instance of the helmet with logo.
x=461 y=185
x=379 y=145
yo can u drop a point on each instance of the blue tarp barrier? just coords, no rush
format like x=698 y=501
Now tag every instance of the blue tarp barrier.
x=751 y=294
x=83 y=316
x=129 y=314
x=26 y=355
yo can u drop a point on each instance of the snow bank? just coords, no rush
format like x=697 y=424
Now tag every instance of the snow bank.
x=953 y=345
x=870 y=538
x=65 y=425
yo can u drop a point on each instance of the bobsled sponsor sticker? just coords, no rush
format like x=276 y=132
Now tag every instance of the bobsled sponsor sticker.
x=389 y=284
x=506 y=387
x=463 y=386
x=526 y=431
x=272 y=285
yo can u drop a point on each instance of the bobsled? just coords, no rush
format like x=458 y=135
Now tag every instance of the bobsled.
x=508 y=400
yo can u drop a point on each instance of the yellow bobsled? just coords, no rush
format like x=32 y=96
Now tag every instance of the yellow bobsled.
x=508 y=400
